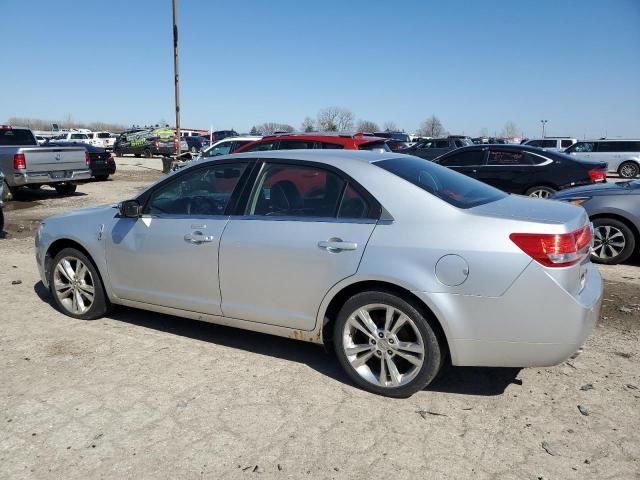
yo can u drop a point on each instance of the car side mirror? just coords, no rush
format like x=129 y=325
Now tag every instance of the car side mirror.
x=130 y=209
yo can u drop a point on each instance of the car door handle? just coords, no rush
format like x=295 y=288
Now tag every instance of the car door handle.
x=198 y=238
x=335 y=245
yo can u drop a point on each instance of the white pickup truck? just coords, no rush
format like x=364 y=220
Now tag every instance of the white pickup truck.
x=24 y=163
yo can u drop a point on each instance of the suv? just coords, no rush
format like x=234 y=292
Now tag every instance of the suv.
x=551 y=143
x=147 y=142
x=623 y=156
x=434 y=147
x=325 y=140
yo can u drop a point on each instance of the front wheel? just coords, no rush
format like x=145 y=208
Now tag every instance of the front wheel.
x=613 y=241
x=629 y=170
x=76 y=286
x=386 y=345
x=65 y=188
x=540 y=192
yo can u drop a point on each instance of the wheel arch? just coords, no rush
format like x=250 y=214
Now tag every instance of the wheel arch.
x=60 y=244
x=628 y=160
x=634 y=229
x=333 y=303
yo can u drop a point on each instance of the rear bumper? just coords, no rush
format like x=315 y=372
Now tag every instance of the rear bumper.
x=106 y=169
x=29 y=178
x=535 y=323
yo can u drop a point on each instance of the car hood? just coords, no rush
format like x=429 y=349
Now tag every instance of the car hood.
x=596 y=189
x=107 y=211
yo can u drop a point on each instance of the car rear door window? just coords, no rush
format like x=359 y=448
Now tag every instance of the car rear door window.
x=296 y=144
x=331 y=146
x=507 y=158
x=608 y=147
x=295 y=191
x=262 y=146
x=197 y=192
x=469 y=158
x=353 y=205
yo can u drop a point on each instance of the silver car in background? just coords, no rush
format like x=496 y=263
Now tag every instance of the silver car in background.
x=400 y=263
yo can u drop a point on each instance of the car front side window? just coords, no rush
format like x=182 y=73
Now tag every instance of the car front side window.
x=202 y=191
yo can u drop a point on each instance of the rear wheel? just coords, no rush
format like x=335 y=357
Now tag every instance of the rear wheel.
x=101 y=178
x=386 y=345
x=76 y=286
x=65 y=188
x=7 y=192
x=147 y=153
x=613 y=241
x=540 y=192
x=1 y=221
x=629 y=170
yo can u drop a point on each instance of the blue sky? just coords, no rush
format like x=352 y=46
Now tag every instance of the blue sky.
x=473 y=64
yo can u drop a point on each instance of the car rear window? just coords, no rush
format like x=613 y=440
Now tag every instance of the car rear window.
x=452 y=187
x=375 y=147
x=10 y=137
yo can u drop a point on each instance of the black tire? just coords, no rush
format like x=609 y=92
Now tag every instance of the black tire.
x=7 y=192
x=101 y=178
x=65 y=188
x=34 y=186
x=118 y=153
x=101 y=304
x=604 y=253
x=137 y=155
x=540 y=191
x=628 y=169
x=1 y=222
x=147 y=153
x=433 y=357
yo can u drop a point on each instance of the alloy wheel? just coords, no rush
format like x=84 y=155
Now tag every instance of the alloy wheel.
x=608 y=242
x=383 y=345
x=73 y=285
x=540 y=193
x=629 y=170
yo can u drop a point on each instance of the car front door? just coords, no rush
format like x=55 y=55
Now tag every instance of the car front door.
x=169 y=256
x=303 y=229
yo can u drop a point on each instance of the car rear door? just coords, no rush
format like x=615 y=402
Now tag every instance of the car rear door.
x=508 y=170
x=169 y=256
x=303 y=228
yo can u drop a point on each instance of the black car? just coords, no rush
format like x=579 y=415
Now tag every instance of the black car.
x=197 y=143
x=101 y=163
x=614 y=209
x=220 y=134
x=435 y=147
x=523 y=170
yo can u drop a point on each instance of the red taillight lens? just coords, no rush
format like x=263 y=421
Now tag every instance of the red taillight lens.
x=87 y=158
x=555 y=249
x=110 y=159
x=19 y=162
x=596 y=175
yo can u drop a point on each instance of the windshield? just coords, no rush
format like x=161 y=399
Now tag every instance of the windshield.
x=448 y=185
x=375 y=147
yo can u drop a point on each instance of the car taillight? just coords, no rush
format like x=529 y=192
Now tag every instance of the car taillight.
x=19 y=162
x=555 y=249
x=87 y=158
x=596 y=175
x=110 y=159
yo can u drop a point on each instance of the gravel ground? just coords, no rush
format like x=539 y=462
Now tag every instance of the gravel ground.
x=146 y=395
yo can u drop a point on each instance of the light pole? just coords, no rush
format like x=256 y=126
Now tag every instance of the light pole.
x=176 y=74
x=543 y=122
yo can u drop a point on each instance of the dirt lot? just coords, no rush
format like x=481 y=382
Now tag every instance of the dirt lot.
x=143 y=395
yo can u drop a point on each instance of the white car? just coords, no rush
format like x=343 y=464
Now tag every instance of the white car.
x=73 y=136
x=228 y=145
x=551 y=143
x=101 y=139
x=623 y=156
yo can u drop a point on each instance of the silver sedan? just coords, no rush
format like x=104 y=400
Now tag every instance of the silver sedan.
x=401 y=264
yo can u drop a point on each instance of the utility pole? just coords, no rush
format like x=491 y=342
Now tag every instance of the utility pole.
x=176 y=74
x=543 y=122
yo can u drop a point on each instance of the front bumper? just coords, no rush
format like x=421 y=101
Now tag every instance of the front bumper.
x=535 y=323
x=49 y=178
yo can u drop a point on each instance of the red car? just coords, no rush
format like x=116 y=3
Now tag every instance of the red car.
x=325 y=140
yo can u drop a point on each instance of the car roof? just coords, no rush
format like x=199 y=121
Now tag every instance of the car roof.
x=611 y=140
x=320 y=156
x=336 y=137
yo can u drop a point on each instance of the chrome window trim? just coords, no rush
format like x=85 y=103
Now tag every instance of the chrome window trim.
x=296 y=218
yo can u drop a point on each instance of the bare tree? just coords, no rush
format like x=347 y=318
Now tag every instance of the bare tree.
x=307 y=125
x=268 y=128
x=390 y=127
x=333 y=119
x=432 y=127
x=510 y=130
x=367 y=126
x=41 y=124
